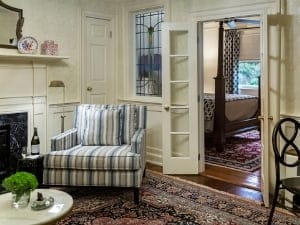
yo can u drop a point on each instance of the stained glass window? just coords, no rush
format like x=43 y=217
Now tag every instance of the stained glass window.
x=148 y=52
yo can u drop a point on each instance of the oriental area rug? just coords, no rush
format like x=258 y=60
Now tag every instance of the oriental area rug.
x=169 y=201
x=242 y=152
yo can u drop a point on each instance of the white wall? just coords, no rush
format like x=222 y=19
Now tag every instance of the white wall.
x=61 y=21
x=290 y=21
x=210 y=55
x=196 y=5
x=50 y=20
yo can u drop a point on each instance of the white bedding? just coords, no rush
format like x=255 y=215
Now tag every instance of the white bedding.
x=237 y=107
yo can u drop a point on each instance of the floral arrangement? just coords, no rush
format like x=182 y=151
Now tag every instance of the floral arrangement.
x=20 y=182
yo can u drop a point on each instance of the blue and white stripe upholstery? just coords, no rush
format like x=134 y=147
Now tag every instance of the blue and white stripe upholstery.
x=138 y=144
x=65 y=140
x=94 y=158
x=102 y=127
x=129 y=123
x=73 y=163
x=141 y=116
x=108 y=178
x=129 y=115
x=138 y=141
x=80 y=118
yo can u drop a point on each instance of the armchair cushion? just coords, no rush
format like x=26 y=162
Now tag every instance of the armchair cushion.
x=94 y=158
x=102 y=127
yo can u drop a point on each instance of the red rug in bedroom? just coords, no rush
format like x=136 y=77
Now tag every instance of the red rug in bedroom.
x=242 y=152
x=166 y=201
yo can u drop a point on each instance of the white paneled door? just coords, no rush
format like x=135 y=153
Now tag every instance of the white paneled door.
x=97 y=79
x=180 y=98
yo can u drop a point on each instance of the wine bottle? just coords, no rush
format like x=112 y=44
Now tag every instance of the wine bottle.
x=35 y=143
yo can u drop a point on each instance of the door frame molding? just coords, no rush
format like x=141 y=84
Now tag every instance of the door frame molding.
x=114 y=69
x=261 y=10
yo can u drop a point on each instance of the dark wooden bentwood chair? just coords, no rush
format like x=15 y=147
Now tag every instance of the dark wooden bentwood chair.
x=281 y=148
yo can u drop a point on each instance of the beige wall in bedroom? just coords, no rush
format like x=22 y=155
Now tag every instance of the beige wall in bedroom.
x=210 y=55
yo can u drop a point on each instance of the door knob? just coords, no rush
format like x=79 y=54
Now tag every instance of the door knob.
x=166 y=107
x=89 y=88
x=262 y=117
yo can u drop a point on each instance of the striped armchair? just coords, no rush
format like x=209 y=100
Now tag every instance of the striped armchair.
x=106 y=147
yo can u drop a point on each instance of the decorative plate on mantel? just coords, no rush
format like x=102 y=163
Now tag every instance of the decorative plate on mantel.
x=27 y=45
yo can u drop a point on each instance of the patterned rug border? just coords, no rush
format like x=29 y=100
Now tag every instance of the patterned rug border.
x=249 y=165
x=236 y=168
x=167 y=200
x=232 y=168
x=246 y=200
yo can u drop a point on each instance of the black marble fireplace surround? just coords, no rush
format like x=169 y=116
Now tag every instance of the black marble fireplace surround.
x=13 y=136
x=18 y=128
x=4 y=151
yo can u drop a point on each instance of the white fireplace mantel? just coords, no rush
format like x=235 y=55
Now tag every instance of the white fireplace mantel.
x=30 y=57
x=24 y=89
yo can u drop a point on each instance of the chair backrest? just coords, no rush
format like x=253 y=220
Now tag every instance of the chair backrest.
x=284 y=142
x=134 y=117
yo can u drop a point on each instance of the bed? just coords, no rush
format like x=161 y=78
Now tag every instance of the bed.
x=227 y=114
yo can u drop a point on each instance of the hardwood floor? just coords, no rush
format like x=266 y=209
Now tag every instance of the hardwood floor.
x=244 y=179
x=246 y=185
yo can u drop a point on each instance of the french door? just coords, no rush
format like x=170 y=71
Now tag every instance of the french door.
x=181 y=115
x=180 y=98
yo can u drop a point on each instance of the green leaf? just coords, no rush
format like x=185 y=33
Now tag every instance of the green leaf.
x=20 y=182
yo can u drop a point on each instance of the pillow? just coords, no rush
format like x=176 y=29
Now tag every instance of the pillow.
x=80 y=120
x=128 y=121
x=102 y=127
x=130 y=124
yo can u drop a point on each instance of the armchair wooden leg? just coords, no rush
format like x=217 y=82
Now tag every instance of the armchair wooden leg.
x=273 y=204
x=136 y=195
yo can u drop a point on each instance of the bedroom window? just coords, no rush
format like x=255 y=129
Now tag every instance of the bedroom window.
x=249 y=73
x=148 y=52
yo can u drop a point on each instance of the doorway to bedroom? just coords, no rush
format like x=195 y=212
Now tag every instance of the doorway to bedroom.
x=238 y=161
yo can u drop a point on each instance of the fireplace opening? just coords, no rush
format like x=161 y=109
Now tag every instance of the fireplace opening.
x=13 y=136
x=18 y=128
x=4 y=151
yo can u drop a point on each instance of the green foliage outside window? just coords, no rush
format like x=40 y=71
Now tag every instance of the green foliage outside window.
x=249 y=72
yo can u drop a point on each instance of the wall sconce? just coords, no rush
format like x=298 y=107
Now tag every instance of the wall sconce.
x=59 y=83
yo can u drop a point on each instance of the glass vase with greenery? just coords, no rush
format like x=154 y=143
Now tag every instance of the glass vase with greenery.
x=20 y=184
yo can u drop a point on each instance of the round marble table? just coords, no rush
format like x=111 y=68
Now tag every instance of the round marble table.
x=63 y=203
